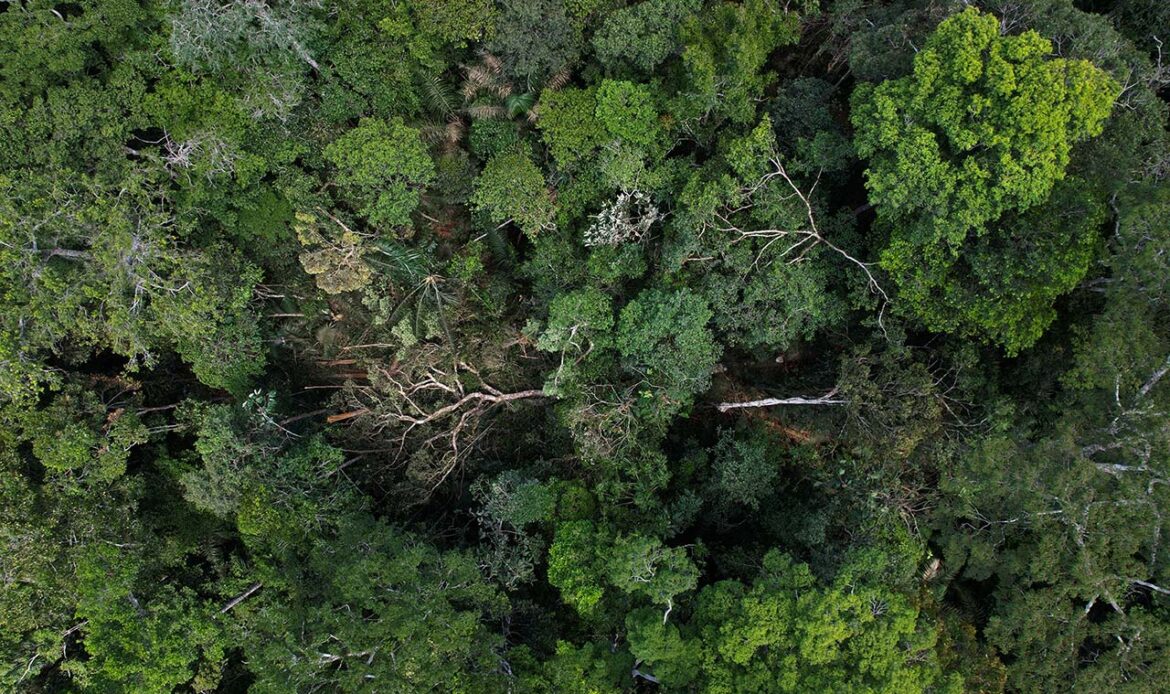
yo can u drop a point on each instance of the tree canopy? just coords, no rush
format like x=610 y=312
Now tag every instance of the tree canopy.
x=584 y=346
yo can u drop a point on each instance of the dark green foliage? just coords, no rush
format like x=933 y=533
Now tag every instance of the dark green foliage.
x=535 y=39
x=642 y=35
x=365 y=591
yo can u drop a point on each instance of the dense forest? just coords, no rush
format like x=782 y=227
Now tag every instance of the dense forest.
x=584 y=346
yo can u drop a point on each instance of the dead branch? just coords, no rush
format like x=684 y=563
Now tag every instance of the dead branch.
x=241 y=597
x=826 y=399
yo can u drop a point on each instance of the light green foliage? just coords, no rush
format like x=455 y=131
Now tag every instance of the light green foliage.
x=627 y=111
x=139 y=641
x=787 y=632
x=1007 y=282
x=381 y=167
x=569 y=124
x=982 y=128
x=512 y=188
x=334 y=254
x=642 y=35
x=593 y=668
x=664 y=338
x=575 y=564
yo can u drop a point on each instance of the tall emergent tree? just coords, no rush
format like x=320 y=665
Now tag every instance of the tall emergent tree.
x=963 y=156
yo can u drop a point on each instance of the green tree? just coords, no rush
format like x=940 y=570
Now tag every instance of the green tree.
x=135 y=641
x=575 y=564
x=664 y=339
x=627 y=111
x=787 y=632
x=983 y=128
x=366 y=601
x=1065 y=513
x=535 y=39
x=381 y=168
x=87 y=264
x=512 y=188
x=725 y=49
x=569 y=125
x=261 y=50
x=642 y=35
x=643 y=565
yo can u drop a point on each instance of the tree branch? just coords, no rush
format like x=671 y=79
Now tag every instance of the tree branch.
x=826 y=399
x=241 y=597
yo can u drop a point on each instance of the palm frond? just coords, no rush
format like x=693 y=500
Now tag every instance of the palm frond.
x=491 y=62
x=487 y=111
x=454 y=131
x=502 y=90
x=438 y=94
x=519 y=104
x=433 y=133
x=476 y=78
x=559 y=79
x=406 y=265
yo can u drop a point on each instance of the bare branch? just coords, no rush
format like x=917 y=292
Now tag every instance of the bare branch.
x=826 y=399
x=241 y=597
